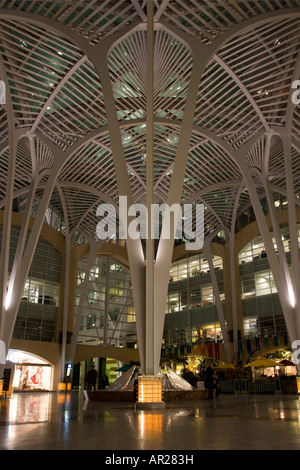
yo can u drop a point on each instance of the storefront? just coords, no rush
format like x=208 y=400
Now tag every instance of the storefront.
x=30 y=372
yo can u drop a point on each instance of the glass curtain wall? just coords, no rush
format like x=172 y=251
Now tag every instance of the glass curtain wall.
x=191 y=314
x=36 y=319
x=107 y=312
x=261 y=307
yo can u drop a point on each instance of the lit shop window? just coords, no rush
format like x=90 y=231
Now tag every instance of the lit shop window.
x=30 y=372
x=211 y=332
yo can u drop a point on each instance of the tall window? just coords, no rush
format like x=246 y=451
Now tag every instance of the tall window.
x=108 y=311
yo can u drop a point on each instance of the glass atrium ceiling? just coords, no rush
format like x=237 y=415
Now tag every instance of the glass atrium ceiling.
x=59 y=101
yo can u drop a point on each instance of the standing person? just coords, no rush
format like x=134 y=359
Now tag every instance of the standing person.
x=92 y=378
x=209 y=382
x=217 y=386
x=104 y=381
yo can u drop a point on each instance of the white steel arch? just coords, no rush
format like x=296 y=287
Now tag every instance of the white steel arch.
x=210 y=37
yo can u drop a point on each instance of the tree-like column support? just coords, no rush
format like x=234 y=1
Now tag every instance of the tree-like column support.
x=216 y=291
x=150 y=323
x=279 y=276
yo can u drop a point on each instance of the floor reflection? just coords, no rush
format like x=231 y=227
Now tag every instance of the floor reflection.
x=25 y=409
x=65 y=420
x=150 y=424
x=39 y=407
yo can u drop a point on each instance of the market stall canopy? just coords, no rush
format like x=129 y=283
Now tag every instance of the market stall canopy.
x=286 y=362
x=262 y=363
x=224 y=366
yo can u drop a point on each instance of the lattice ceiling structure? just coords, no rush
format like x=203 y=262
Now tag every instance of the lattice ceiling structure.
x=57 y=101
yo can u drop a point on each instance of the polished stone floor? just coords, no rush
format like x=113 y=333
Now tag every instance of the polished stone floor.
x=66 y=421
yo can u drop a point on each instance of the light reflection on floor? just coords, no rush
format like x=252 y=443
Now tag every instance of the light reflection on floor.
x=19 y=409
x=60 y=420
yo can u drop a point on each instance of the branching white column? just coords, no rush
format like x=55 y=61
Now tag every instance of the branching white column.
x=66 y=284
x=207 y=251
x=278 y=273
x=26 y=218
x=13 y=139
x=5 y=244
x=150 y=323
x=233 y=290
x=295 y=289
x=106 y=304
x=98 y=55
x=264 y=175
x=28 y=253
x=286 y=135
x=233 y=261
x=165 y=248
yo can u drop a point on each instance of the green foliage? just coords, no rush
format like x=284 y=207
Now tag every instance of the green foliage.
x=280 y=354
x=202 y=365
x=174 y=360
